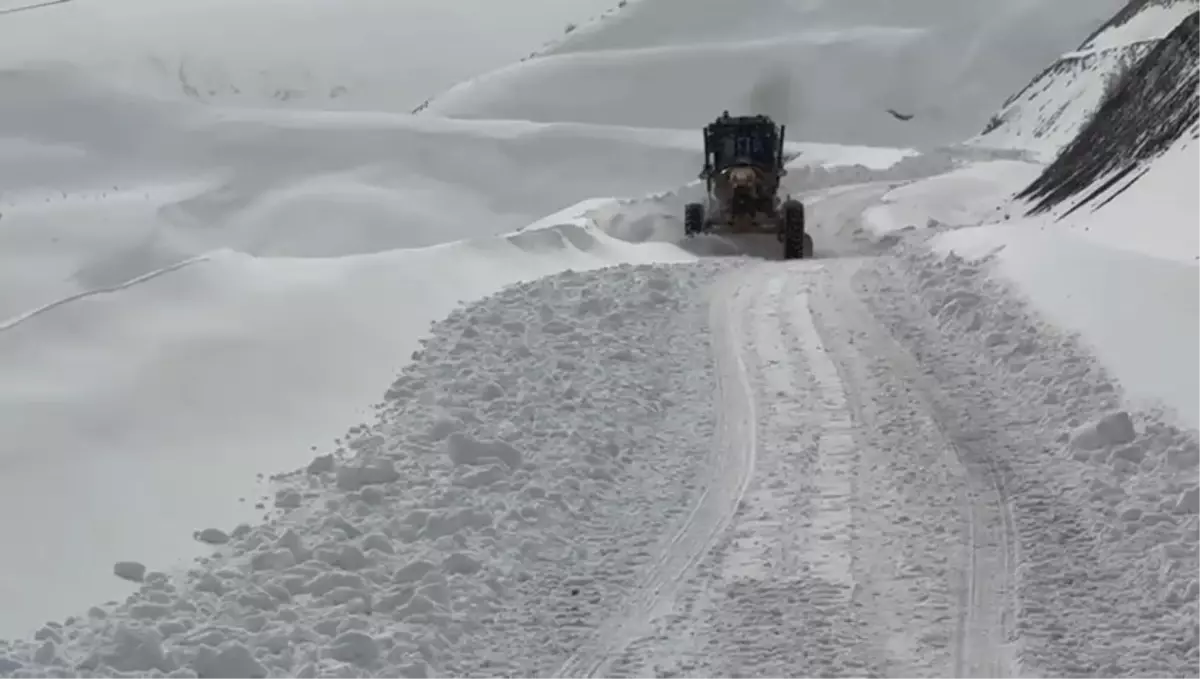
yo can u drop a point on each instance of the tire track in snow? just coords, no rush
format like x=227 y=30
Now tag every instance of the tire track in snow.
x=784 y=566
x=831 y=530
x=738 y=314
x=979 y=645
x=777 y=595
x=731 y=460
x=864 y=544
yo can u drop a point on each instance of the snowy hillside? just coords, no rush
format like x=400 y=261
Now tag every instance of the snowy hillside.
x=1049 y=111
x=939 y=449
x=363 y=54
x=1147 y=109
x=790 y=59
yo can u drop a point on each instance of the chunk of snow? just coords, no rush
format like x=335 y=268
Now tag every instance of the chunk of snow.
x=1188 y=502
x=321 y=464
x=212 y=536
x=232 y=660
x=463 y=449
x=354 y=477
x=130 y=570
x=354 y=647
x=1114 y=429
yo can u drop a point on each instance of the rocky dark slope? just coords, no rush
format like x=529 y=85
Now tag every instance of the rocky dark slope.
x=1039 y=93
x=1146 y=109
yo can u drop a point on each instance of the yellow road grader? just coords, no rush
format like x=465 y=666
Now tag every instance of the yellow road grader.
x=743 y=165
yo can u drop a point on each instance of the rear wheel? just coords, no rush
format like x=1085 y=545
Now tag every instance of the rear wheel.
x=797 y=244
x=693 y=218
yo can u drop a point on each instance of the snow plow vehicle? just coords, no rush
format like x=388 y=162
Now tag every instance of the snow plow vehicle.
x=743 y=164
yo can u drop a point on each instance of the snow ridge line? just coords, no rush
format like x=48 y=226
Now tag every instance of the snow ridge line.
x=732 y=458
x=988 y=602
x=21 y=318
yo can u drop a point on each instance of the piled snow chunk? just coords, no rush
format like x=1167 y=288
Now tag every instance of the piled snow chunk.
x=354 y=477
x=1188 y=502
x=462 y=449
x=355 y=648
x=231 y=660
x=438 y=540
x=212 y=536
x=129 y=649
x=1114 y=429
x=322 y=464
x=130 y=570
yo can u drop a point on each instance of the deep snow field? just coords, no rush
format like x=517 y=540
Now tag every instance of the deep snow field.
x=961 y=442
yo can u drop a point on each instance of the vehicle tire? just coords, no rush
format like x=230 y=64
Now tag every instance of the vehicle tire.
x=693 y=218
x=797 y=244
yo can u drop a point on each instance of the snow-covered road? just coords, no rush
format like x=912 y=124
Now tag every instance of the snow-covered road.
x=828 y=439
x=915 y=476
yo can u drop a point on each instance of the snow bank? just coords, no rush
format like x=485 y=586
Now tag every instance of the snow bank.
x=1156 y=216
x=193 y=384
x=1103 y=499
x=789 y=60
x=1138 y=314
x=1116 y=276
x=519 y=470
x=284 y=53
x=974 y=194
x=835 y=155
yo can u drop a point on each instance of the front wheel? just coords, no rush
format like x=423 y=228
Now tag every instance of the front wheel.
x=797 y=244
x=693 y=218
